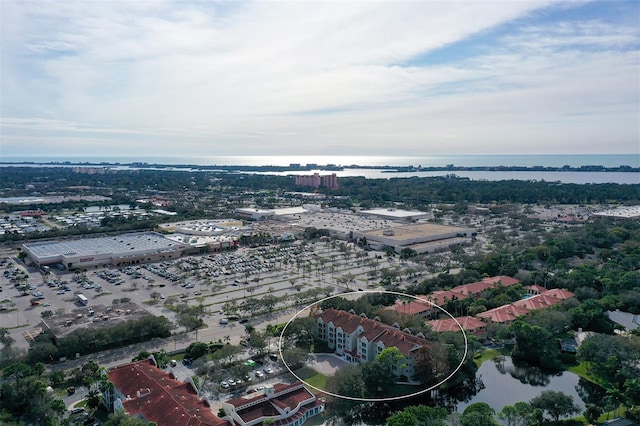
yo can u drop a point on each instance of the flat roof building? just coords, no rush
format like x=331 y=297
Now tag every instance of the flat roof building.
x=125 y=249
x=412 y=236
x=395 y=214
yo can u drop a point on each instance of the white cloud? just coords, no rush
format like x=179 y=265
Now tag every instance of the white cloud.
x=270 y=75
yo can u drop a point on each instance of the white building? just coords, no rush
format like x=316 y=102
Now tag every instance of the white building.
x=358 y=339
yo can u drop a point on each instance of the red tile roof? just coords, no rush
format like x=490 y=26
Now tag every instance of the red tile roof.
x=539 y=301
x=536 y=288
x=441 y=297
x=246 y=399
x=342 y=319
x=292 y=399
x=159 y=397
x=374 y=331
x=264 y=409
x=485 y=284
x=505 y=313
x=448 y=324
x=293 y=395
x=559 y=293
x=503 y=280
x=412 y=308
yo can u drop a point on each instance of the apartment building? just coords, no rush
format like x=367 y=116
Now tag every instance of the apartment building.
x=358 y=339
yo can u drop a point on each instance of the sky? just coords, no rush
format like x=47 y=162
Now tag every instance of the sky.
x=398 y=78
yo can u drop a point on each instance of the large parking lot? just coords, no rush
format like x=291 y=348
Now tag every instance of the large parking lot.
x=213 y=280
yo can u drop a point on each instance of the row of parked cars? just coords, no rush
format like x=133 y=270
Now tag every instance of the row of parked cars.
x=259 y=374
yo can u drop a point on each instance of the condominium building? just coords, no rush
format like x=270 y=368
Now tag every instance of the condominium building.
x=359 y=339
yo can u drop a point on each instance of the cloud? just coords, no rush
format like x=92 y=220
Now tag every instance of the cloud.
x=277 y=76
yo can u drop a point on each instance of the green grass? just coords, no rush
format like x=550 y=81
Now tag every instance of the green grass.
x=581 y=370
x=610 y=415
x=488 y=354
x=312 y=377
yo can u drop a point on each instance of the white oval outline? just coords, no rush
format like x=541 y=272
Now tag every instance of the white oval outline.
x=393 y=398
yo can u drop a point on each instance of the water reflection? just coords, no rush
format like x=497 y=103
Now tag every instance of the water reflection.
x=530 y=375
x=504 y=383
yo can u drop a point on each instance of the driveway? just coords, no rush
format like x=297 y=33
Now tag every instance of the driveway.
x=326 y=364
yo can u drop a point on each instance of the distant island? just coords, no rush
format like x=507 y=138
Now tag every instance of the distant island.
x=330 y=167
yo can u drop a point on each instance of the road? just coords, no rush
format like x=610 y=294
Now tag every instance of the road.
x=174 y=343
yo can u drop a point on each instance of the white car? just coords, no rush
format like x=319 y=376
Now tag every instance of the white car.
x=224 y=385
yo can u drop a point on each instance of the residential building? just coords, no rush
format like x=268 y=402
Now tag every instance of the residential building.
x=359 y=339
x=422 y=308
x=471 y=324
x=143 y=390
x=316 y=180
x=508 y=313
x=283 y=404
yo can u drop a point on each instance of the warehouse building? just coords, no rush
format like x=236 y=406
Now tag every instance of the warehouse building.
x=421 y=237
x=120 y=250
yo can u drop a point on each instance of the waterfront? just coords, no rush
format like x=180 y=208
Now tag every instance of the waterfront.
x=573 y=160
x=576 y=177
x=506 y=384
x=374 y=167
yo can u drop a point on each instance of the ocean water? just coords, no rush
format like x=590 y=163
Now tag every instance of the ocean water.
x=573 y=160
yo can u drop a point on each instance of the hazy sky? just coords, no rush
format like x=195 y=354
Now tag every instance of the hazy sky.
x=401 y=78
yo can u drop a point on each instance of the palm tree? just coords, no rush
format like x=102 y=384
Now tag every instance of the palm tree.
x=94 y=398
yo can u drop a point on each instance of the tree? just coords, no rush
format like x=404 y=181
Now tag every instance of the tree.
x=347 y=381
x=535 y=345
x=196 y=349
x=556 y=404
x=5 y=338
x=509 y=415
x=258 y=342
x=302 y=332
x=419 y=415
x=592 y=413
x=121 y=418
x=518 y=414
x=377 y=377
x=632 y=392
x=226 y=353
x=432 y=362
x=57 y=378
x=248 y=329
x=478 y=414
x=93 y=399
x=58 y=407
x=294 y=357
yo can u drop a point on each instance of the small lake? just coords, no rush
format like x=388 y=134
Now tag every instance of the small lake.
x=506 y=384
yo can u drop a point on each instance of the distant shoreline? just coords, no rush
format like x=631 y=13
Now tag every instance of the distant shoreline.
x=326 y=167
